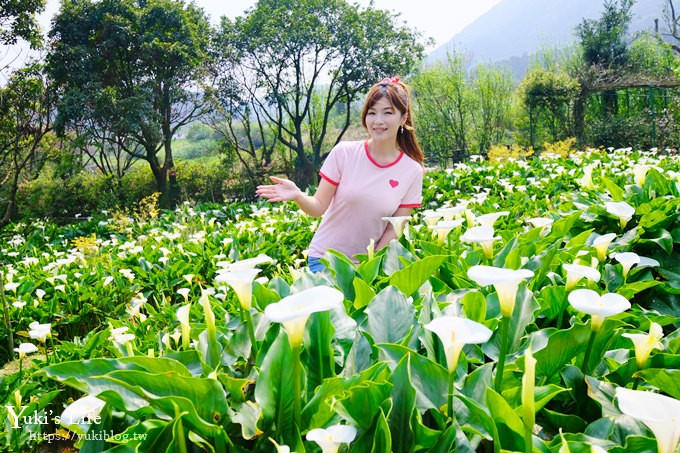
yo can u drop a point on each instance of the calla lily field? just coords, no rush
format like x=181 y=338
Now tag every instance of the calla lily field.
x=529 y=305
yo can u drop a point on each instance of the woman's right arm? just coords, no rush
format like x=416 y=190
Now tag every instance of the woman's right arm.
x=286 y=190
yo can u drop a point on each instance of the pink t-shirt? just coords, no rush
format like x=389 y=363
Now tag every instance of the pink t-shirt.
x=366 y=191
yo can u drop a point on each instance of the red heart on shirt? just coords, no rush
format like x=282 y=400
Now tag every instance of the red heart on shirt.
x=394 y=183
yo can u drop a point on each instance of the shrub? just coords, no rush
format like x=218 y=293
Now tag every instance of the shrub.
x=561 y=148
x=499 y=153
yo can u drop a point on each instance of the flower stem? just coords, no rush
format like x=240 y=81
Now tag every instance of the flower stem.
x=498 y=381
x=297 y=386
x=589 y=348
x=251 y=335
x=452 y=378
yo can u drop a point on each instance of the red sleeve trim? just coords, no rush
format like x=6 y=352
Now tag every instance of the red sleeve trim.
x=416 y=205
x=335 y=183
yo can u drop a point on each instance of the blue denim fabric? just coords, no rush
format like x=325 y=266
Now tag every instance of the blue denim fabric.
x=315 y=265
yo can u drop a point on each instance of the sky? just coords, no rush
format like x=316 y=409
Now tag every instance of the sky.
x=437 y=19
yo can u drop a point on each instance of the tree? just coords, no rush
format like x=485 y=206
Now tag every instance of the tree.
x=134 y=68
x=444 y=108
x=287 y=50
x=17 y=20
x=25 y=118
x=604 y=43
x=493 y=95
x=671 y=35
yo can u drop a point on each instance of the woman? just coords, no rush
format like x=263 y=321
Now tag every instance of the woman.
x=363 y=181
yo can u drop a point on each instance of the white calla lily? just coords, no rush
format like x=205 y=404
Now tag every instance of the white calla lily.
x=620 y=209
x=397 y=223
x=444 y=227
x=25 y=348
x=483 y=235
x=598 y=307
x=184 y=292
x=575 y=272
x=660 y=413
x=183 y=318
x=645 y=343
x=490 y=218
x=627 y=261
x=294 y=310
x=241 y=282
x=505 y=281
x=248 y=263
x=601 y=245
x=39 y=331
x=454 y=333
x=330 y=439
x=82 y=411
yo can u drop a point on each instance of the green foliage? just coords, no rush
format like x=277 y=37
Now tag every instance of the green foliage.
x=18 y=21
x=604 y=41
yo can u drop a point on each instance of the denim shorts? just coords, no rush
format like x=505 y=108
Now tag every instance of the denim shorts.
x=315 y=265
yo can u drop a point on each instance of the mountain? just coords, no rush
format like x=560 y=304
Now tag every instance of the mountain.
x=514 y=29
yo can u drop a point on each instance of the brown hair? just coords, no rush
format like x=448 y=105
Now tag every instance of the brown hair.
x=399 y=96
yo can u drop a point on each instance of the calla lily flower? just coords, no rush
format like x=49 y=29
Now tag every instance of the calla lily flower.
x=184 y=292
x=432 y=217
x=280 y=448
x=627 y=260
x=330 y=439
x=25 y=348
x=482 y=235
x=370 y=249
x=545 y=223
x=490 y=218
x=660 y=413
x=587 y=180
x=397 y=223
x=575 y=272
x=294 y=310
x=83 y=410
x=444 y=227
x=598 y=307
x=183 y=318
x=620 y=209
x=640 y=173
x=601 y=244
x=454 y=333
x=39 y=331
x=450 y=213
x=249 y=263
x=505 y=281
x=242 y=283
x=645 y=344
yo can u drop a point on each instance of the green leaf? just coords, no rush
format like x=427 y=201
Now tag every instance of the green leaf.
x=317 y=355
x=390 y=317
x=508 y=424
x=411 y=277
x=369 y=269
x=561 y=347
x=429 y=379
x=631 y=289
x=615 y=191
x=668 y=381
x=403 y=395
x=342 y=269
x=662 y=238
x=376 y=438
x=364 y=294
x=474 y=306
x=361 y=403
x=275 y=389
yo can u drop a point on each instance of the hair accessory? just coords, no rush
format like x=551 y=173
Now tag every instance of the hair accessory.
x=390 y=80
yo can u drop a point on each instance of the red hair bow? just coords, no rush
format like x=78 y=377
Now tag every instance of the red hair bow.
x=390 y=80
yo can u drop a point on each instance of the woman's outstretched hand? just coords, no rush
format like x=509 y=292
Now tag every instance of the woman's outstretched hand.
x=283 y=190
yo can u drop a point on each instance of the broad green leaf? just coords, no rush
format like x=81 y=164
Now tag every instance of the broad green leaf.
x=342 y=269
x=317 y=355
x=390 y=317
x=275 y=389
x=662 y=238
x=429 y=379
x=363 y=292
x=508 y=424
x=403 y=395
x=376 y=438
x=615 y=191
x=474 y=306
x=668 y=381
x=411 y=277
x=369 y=269
x=361 y=403
x=561 y=347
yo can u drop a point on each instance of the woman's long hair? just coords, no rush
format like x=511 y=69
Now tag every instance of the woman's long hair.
x=398 y=94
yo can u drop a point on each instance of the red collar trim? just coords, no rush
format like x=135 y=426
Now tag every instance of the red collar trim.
x=368 y=154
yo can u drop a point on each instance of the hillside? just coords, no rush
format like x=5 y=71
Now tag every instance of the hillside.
x=514 y=29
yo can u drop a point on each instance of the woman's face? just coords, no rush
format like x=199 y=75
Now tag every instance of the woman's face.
x=383 y=121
